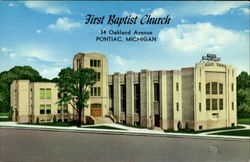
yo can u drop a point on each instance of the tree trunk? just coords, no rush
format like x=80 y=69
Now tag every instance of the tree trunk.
x=79 y=117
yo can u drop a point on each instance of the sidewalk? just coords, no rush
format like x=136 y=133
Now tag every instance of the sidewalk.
x=127 y=131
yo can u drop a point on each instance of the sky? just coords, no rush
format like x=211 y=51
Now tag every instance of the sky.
x=46 y=35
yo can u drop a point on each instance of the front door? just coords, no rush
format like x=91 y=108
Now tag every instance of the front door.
x=157 y=120
x=96 y=110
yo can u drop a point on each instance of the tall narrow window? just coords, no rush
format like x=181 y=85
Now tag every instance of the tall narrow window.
x=111 y=97
x=59 y=109
x=199 y=86
x=177 y=106
x=137 y=104
x=214 y=104
x=200 y=107
x=91 y=63
x=98 y=63
x=123 y=98
x=232 y=87
x=221 y=104
x=98 y=76
x=221 y=88
x=207 y=104
x=95 y=91
x=48 y=109
x=91 y=91
x=48 y=93
x=214 y=88
x=156 y=92
x=42 y=109
x=208 y=88
x=232 y=106
x=98 y=91
x=177 y=86
x=95 y=63
x=42 y=93
x=65 y=108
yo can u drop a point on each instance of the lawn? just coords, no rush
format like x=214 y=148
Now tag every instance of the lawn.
x=59 y=124
x=245 y=132
x=104 y=127
x=244 y=121
x=4 y=114
x=133 y=126
x=201 y=131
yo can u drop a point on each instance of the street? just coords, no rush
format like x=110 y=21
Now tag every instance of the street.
x=34 y=145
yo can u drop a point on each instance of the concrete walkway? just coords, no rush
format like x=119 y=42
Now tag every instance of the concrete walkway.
x=126 y=131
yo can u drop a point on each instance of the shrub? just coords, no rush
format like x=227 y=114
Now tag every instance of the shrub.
x=179 y=126
x=37 y=120
x=187 y=126
x=54 y=119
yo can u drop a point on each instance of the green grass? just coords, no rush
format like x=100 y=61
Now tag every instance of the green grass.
x=4 y=114
x=244 y=121
x=234 y=133
x=133 y=126
x=4 y=119
x=202 y=131
x=104 y=127
x=59 y=124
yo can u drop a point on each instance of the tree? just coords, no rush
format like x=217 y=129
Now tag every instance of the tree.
x=75 y=87
x=15 y=73
x=243 y=95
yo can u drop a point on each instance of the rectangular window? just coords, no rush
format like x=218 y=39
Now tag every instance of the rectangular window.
x=137 y=104
x=99 y=91
x=208 y=88
x=177 y=106
x=156 y=92
x=95 y=91
x=207 y=104
x=48 y=93
x=42 y=93
x=221 y=88
x=42 y=109
x=221 y=104
x=98 y=75
x=177 y=86
x=214 y=104
x=214 y=88
x=95 y=63
x=65 y=108
x=123 y=98
x=91 y=91
x=91 y=63
x=200 y=107
x=232 y=106
x=59 y=108
x=199 y=86
x=98 y=63
x=232 y=87
x=48 y=109
x=111 y=91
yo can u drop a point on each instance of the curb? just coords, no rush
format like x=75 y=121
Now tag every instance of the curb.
x=208 y=137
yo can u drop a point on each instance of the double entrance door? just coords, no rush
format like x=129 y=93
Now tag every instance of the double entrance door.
x=96 y=110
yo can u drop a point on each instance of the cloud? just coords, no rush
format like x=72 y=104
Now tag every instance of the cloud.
x=64 y=24
x=11 y=4
x=133 y=14
x=50 y=73
x=183 y=21
x=208 y=8
x=201 y=38
x=245 y=10
x=158 y=12
x=38 y=31
x=8 y=52
x=47 y=7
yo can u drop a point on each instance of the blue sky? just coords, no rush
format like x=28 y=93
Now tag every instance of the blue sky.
x=46 y=35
